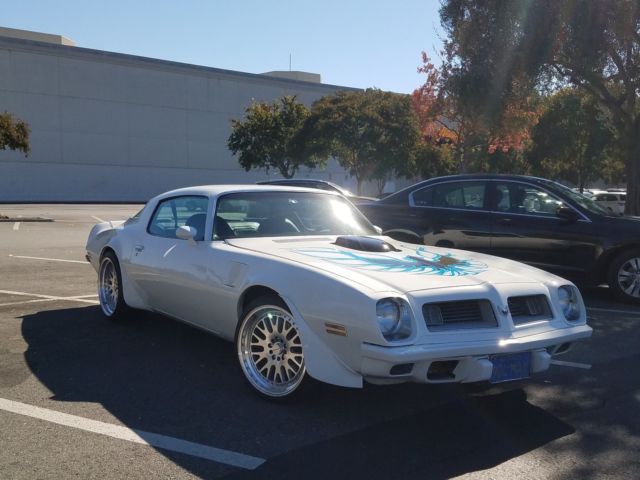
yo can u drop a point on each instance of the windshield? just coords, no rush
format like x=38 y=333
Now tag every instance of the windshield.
x=280 y=214
x=582 y=200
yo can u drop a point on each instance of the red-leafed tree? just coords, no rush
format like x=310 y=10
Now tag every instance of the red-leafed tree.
x=449 y=117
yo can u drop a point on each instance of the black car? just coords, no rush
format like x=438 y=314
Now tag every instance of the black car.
x=318 y=184
x=532 y=220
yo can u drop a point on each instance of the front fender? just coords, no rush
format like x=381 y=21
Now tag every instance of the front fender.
x=321 y=362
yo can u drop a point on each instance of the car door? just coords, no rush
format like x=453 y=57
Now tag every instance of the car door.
x=175 y=273
x=448 y=214
x=453 y=214
x=527 y=228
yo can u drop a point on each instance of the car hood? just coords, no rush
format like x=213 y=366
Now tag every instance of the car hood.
x=411 y=268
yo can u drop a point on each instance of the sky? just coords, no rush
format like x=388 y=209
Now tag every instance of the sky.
x=354 y=43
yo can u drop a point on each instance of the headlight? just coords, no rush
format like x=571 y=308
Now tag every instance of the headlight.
x=394 y=318
x=569 y=302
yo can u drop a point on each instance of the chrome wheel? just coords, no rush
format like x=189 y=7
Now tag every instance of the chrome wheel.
x=108 y=288
x=629 y=277
x=270 y=351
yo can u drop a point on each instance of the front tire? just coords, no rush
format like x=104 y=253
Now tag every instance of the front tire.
x=624 y=276
x=110 y=293
x=269 y=349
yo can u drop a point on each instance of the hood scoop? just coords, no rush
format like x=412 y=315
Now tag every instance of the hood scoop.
x=365 y=244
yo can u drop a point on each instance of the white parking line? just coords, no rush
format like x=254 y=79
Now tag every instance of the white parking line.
x=98 y=219
x=22 y=302
x=50 y=259
x=562 y=363
x=16 y=225
x=219 y=455
x=51 y=297
x=613 y=310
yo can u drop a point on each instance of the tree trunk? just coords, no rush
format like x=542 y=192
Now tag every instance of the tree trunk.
x=462 y=166
x=286 y=171
x=359 y=179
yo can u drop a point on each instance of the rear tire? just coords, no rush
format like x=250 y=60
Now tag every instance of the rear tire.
x=110 y=293
x=624 y=276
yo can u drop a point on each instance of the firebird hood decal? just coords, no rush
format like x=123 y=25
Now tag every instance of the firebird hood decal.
x=423 y=262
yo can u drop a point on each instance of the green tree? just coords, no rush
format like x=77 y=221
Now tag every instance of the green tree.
x=453 y=113
x=572 y=138
x=501 y=50
x=14 y=134
x=268 y=137
x=371 y=133
x=434 y=161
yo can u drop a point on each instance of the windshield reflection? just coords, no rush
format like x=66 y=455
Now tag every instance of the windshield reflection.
x=278 y=214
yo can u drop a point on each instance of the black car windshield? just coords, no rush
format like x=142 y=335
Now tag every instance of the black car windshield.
x=280 y=214
x=582 y=200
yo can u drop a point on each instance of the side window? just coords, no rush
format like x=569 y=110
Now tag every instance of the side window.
x=177 y=212
x=448 y=195
x=525 y=199
x=422 y=198
x=467 y=195
x=473 y=194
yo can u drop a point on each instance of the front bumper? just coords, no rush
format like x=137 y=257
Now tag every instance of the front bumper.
x=470 y=359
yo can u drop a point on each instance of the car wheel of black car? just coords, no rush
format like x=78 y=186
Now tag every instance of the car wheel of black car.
x=624 y=276
x=110 y=288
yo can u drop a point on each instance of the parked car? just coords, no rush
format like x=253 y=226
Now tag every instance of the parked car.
x=527 y=219
x=320 y=184
x=302 y=283
x=613 y=202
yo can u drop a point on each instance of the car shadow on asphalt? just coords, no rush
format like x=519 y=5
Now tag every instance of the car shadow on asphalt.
x=161 y=376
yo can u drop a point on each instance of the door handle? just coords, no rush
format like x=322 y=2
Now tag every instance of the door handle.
x=504 y=221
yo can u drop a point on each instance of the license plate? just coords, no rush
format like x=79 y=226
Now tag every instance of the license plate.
x=510 y=366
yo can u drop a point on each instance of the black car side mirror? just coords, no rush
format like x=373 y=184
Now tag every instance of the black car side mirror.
x=568 y=214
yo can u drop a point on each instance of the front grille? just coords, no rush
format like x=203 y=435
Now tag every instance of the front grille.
x=464 y=314
x=529 y=308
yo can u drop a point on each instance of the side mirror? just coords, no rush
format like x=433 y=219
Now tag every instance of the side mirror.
x=186 y=233
x=568 y=214
x=377 y=229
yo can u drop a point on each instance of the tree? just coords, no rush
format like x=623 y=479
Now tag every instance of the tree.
x=444 y=119
x=510 y=48
x=450 y=114
x=14 y=134
x=269 y=137
x=572 y=138
x=371 y=133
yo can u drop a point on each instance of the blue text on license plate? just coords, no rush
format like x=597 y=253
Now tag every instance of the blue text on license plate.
x=510 y=366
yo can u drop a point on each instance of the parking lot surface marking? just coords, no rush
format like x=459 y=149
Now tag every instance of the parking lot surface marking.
x=562 y=363
x=98 y=219
x=136 y=436
x=614 y=310
x=49 y=259
x=26 y=301
x=16 y=225
x=76 y=298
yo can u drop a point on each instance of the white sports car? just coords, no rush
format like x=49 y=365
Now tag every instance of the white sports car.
x=305 y=285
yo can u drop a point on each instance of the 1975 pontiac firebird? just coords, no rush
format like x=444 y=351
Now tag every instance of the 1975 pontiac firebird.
x=303 y=284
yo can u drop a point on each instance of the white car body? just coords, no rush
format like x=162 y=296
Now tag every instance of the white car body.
x=613 y=202
x=332 y=293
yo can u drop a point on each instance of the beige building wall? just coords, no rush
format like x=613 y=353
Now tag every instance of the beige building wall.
x=114 y=127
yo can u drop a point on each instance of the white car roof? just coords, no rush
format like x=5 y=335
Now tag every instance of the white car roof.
x=216 y=190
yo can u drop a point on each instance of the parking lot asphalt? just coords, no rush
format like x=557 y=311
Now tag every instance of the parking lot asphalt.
x=77 y=392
